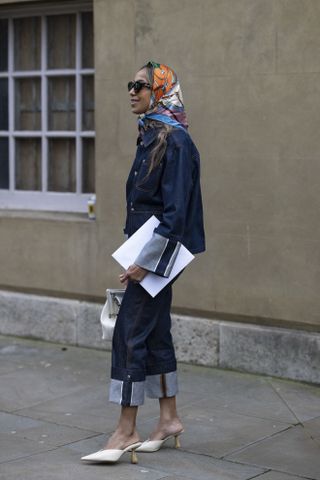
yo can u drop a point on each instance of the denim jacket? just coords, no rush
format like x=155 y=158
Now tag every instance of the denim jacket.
x=172 y=193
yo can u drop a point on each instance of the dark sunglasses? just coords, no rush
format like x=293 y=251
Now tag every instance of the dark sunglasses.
x=137 y=86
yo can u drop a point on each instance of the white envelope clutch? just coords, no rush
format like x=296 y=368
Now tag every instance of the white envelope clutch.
x=130 y=249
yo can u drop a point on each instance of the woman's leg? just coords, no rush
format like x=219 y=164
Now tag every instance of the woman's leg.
x=142 y=326
x=125 y=433
x=169 y=422
x=161 y=381
x=139 y=315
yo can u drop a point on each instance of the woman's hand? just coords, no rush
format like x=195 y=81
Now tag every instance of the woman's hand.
x=134 y=273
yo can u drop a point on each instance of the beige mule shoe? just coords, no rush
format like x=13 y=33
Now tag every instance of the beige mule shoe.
x=155 y=445
x=113 y=455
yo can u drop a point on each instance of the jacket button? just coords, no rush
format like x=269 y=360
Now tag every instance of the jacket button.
x=132 y=209
x=136 y=173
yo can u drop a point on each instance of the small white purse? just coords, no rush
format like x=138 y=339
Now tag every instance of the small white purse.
x=110 y=311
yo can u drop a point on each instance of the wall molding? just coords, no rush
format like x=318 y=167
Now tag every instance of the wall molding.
x=43 y=8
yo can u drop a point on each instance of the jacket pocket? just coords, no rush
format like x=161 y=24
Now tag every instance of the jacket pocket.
x=148 y=182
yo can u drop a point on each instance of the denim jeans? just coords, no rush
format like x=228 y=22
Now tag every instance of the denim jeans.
x=143 y=357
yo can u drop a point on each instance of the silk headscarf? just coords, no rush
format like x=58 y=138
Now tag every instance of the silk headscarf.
x=166 y=104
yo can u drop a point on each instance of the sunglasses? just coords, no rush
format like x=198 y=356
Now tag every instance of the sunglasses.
x=137 y=86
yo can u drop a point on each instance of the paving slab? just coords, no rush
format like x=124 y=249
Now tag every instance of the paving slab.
x=312 y=427
x=292 y=451
x=171 y=461
x=217 y=432
x=87 y=408
x=302 y=399
x=10 y=361
x=28 y=387
x=198 y=467
x=52 y=372
x=238 y=394
x=63 y=463
x=73 y=360
x=46 y=433
x=12 y=447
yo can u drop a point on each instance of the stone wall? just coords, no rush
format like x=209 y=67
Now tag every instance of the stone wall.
x=250 y=73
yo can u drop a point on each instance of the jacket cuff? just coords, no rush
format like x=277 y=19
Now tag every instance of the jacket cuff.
x=158 y=255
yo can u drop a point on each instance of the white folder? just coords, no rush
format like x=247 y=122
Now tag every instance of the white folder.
x=130 y=249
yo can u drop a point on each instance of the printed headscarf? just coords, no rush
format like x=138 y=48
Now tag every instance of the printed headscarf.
x=166 y=104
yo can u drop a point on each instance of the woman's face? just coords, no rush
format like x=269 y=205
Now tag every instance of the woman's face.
x=140 y=101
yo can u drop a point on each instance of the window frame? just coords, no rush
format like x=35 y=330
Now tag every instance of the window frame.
x=44 y=199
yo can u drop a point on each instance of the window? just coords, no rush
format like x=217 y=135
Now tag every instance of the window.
x=47 y=131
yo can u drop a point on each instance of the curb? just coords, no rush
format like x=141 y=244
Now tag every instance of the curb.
x=275 y=351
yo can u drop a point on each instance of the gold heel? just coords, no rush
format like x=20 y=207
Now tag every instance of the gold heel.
x=134 y=457
x=177 y=441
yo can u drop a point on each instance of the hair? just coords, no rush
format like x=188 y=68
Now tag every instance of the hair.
x=159 y=149
x=160 y=146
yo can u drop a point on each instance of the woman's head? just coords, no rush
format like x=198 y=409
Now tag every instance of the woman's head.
x=156 y=94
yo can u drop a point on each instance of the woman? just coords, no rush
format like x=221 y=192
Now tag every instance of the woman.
x=164 y=181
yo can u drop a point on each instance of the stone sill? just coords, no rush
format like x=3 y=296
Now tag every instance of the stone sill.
x=45 y=215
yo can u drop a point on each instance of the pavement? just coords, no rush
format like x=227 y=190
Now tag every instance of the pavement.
x=54 y=408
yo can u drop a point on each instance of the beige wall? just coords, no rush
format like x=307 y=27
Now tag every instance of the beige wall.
x=250 y=72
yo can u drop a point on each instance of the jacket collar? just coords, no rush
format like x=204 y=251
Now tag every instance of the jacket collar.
x=149 y=135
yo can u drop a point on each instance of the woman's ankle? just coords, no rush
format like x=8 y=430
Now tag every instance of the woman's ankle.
x=126 y=431
x=120 y=439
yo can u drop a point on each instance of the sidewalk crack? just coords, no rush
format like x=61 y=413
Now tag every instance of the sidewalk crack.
x=284 y=401
x=255 y=442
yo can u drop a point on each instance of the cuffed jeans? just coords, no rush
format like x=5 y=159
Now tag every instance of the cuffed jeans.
x=143 y=357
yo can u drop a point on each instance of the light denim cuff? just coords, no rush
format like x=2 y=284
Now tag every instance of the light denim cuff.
x=162 y=385
x=158 y=255
x=137 y=392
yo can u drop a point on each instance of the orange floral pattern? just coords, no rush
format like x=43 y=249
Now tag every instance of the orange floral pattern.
x=166 y=98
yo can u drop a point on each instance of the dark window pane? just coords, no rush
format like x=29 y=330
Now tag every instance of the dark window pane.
x=88 y=170
x=3 y=104
x=88 y=103
x=28 y=104
x=87 y=40
x=62 y=106
x=28 y=164
x=3 y=45
x=61 y=41
x=62 y=165
x=27 y=43
x=4 y=163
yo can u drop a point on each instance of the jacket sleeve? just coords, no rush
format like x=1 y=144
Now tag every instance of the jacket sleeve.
x=159 y=253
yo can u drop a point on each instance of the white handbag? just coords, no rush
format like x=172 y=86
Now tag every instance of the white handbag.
x=110 y=311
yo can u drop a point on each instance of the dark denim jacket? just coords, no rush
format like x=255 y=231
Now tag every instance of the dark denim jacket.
x=171 y=192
